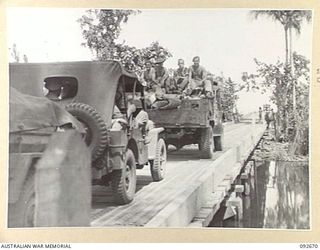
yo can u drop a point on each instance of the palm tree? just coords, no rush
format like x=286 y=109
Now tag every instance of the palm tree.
x=295 y=20
x=289 y=19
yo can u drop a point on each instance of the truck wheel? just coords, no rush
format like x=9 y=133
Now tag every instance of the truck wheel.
x=206 y=143
x=218 y=144
x=124 y=181
x=96 y=129
x=21 y=213
x=158 y=165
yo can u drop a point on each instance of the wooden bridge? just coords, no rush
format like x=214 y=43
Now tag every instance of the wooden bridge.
x=192 y=190
x=189 y=196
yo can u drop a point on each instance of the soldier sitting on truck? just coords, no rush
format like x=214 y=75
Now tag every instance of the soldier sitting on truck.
x=161 y=75
x=198 y=81
x=149 y=75
x=171 y=86
x=181 y=76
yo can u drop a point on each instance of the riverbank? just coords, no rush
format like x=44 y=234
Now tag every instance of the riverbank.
x=271 y=150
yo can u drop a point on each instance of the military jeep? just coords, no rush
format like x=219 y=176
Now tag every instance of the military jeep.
x=92 y=91
x=195 y=121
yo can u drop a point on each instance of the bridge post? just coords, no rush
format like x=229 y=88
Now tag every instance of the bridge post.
x=239 y=190
x=253 y=167
x=245 y=182
x=236 y=201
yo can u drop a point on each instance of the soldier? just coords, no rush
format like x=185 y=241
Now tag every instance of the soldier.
x=198 y=78
x=161 y=75
x=171 y=85
x=267 y=118
x=118 y=119
x=272 y=119
x=149 y=75
x=139 y=116
x=181 y=75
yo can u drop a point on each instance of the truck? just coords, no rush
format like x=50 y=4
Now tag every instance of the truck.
x=195 y=121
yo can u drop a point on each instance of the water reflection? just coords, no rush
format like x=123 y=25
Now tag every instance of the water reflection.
x=279 y=198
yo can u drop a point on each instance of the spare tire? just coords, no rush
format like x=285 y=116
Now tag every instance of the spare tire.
x=96 y=128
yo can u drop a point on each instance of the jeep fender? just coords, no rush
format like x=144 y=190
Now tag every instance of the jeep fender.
x=117 y=148
x=154 y=135
x=132 y=144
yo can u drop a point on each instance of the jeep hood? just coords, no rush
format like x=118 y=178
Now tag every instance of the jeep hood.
x=30 y=113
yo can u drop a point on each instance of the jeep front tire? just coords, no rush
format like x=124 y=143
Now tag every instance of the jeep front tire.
x=158 y=165
x=124 y=181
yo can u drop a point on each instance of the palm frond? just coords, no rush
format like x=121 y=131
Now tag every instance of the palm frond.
x=275 y=15
x=288 y=18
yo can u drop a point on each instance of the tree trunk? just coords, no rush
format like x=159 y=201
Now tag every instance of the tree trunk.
x=290 y=45
x=287 y=33
x=286 y=44
x=280 y=112
x=292 y=72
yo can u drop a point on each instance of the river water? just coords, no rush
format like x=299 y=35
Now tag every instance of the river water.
x=279 y=198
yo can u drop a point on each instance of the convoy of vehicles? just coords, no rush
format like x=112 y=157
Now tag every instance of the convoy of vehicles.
x=99 y=95
x=91 y=91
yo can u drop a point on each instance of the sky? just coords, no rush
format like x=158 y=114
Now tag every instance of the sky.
x=227 y=40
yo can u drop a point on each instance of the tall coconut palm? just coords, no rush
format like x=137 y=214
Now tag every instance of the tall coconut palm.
x=295 y=20
x=290 y=20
